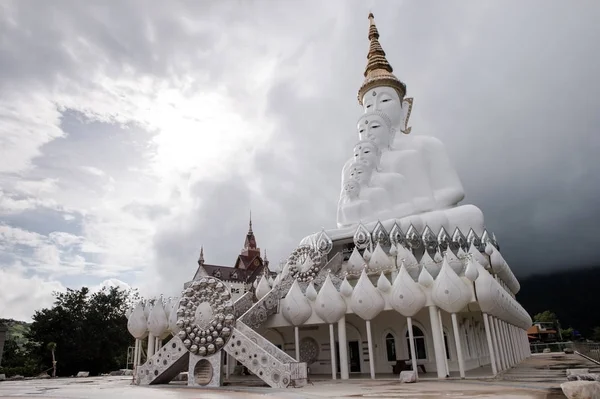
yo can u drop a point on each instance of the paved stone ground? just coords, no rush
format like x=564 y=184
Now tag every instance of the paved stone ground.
x=538 y=377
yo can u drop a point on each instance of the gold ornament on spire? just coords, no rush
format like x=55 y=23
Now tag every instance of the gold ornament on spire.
x=378 y=71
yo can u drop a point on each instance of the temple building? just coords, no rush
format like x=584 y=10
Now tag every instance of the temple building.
x=410 y=280
x=249 y=267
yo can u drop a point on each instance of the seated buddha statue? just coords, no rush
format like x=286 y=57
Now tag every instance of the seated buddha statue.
x=384 y=93
x=366 y=162
x=359 y=199
x=408 y=168
x=376 y=126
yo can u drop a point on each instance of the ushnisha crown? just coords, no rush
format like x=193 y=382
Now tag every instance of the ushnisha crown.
x=378 y=71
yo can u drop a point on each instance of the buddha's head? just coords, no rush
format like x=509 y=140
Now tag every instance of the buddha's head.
x=361 y=171
x=367 y=150
x=387 y=100
x=376 y=126
x=351 y=188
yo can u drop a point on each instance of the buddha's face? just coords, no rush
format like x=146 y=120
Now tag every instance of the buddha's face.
x=352 y=189
x=366 y=152
x=373 y=127
x=361 y=173
x=386 y=100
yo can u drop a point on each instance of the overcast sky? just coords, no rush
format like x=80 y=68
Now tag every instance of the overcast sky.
x=133 y=132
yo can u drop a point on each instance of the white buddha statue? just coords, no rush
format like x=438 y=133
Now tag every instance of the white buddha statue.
x=383 y=92
x=393 y=176
x=359 y=199
x=377 y=127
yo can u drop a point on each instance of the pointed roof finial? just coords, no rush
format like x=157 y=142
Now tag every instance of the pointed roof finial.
x=265 y=257
x=201 y=258
x=378 y=71
x=250 y=223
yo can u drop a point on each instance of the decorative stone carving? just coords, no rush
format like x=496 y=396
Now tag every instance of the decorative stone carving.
x=362 y=237
x=444 y=240
x=206 y=316
x=329 y=304
x=449 y=291
x=262 y=288
x=355 y=263
x=383 y=284
x=324 y=243
x=295 y=306
x=396 y=235
x=137 y=324
x=409 y=260
x=458 y=240
x=380 y=235
x=366 y=301
x=309 y=350
x=454 y=262
x=429 y=240
x=474 y=252
x=310 y=260
x=158 y=323
x=346 y=289
x=471 y=271
x=407 y=297
x=311 y=293
x=413 y=238
x=425 y=278
x=431 y=265
x=379 y=260
x=173 y=328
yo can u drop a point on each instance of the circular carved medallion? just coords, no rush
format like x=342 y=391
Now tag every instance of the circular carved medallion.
x=205 y=316
x=309 y=350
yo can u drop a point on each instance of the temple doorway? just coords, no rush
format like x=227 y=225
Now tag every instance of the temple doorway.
x=353 y=356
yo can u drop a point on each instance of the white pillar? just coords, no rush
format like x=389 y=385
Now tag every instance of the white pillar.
x=332 y=352
x=297 y=341
x=139 y=355
x=438 y=344
x=443 y=342
x=151 y=342
x=343 y=348
x=413 y=351
x=488 y=335
x=513 y=342
x=461 y=362
x=371 y=353
x=496 y=341
x=509 y=344
x=135 y=356
x=504 y=344
x=501 y=349
x=228 y=366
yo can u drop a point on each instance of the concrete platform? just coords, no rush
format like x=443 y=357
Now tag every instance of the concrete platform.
x=538 y=377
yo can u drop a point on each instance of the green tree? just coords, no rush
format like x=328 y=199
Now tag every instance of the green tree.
x=545 y=317
x=90 y=330
x=567 y=334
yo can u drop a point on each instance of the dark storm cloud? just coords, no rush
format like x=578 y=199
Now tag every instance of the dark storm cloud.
x=509 y=87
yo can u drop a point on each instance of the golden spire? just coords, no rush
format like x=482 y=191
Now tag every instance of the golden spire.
x=378 y=71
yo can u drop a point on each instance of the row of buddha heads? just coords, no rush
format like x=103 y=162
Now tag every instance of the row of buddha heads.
x=385 y=114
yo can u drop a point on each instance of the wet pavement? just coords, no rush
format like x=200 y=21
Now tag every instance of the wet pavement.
x=538 y=377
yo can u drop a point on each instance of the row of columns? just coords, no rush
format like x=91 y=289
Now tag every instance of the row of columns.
x=507 y=345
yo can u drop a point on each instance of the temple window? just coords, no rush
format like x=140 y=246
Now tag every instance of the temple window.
x=419 y=344
x=390 y=347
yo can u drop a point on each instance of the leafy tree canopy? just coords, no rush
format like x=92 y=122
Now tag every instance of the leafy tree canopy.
x=89 y=332
x=545 y=317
